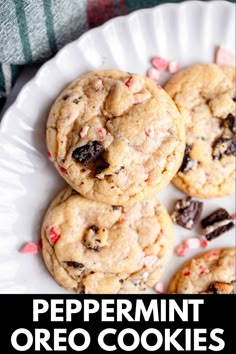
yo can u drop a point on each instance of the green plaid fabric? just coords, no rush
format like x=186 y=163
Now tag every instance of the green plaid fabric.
x=31 y=31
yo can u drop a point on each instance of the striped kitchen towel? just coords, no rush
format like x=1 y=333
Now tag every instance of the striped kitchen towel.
x=31 y=31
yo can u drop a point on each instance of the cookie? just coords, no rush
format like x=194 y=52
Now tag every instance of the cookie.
x=115 y=137
x=212 y=272
x=94 y=248
x=205 y=95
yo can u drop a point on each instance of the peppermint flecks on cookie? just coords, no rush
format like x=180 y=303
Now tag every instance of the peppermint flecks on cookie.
x=30 y=247
x=54 y=236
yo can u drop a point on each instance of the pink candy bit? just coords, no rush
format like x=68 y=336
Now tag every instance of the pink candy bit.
x=187 y=273
x=159 y=288
x=84 y=131
x=30 y=247
x=159 y=87
x=53 y=235
x=159 y=63
x=127 y=82
x=182 y=249
x=204 y=243
x=62 y=169
x=173 y=67
x=49 y=155
x=193 y=242
x=124 y=219
x=203 y=271
x=150 y=133
x=233 y=216
x=102 y=133
x=153 y=74
x=211 y=256
x=224 y=57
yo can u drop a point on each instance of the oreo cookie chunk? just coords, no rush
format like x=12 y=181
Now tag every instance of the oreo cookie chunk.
x=188 y=163
x=187 y=212
x=216 y=224
x=221 y=288
x=88 y=153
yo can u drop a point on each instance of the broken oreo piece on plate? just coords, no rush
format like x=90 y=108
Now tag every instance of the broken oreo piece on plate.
x=216 y=224
x=187 y=212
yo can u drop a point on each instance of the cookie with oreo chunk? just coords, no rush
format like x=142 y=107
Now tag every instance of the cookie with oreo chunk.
x=212 y=272
x=115 y=137
x=95 y=248
x=204 y=95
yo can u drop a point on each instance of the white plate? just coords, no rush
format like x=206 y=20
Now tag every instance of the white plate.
x=188 y=32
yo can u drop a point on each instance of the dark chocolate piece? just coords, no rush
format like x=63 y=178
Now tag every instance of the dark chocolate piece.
x=216 y=224
x=75 y=264
x=218 y=215
x=88 y=153
x=116 y=207
x=187 y=163
x=230 y=122
x=187 y=212
x=102 y=167
x=223 y=146
x=94 y=228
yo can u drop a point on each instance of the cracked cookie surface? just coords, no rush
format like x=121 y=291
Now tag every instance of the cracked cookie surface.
x=205 y=95
x=115 y=137
x=94 y=248
x=212 y=272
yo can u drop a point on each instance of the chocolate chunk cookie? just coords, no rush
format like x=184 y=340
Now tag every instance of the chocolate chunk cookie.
x=205 y=96
x=94 y=248
x=212 y=272
x=115 y=137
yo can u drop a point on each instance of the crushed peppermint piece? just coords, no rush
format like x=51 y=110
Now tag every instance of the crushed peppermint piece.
x=193 y=242
x=153 y=74
x=159 y=288
x=30 y=247
x=53 y=235
x=233 y=216
x=150 y=133
x=127 y=82
x=182 y=249
x=84 y=131
x=224 y=57
x=203 y=271
x=173 y=67
x=102 y=133
x=212 y=255
x=62 y=169
x=159 y=63
x=187 y=273
x=49 y=155
x=204 y=243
